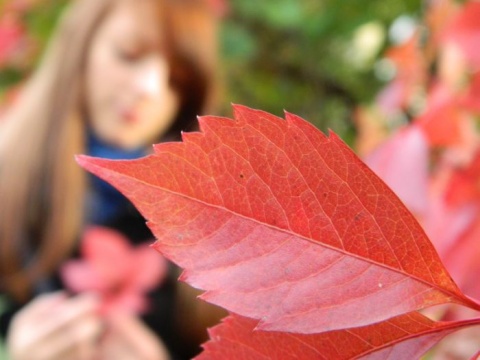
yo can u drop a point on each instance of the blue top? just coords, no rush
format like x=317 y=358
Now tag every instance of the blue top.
x=104 y=201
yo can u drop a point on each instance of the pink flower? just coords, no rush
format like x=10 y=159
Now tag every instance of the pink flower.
x=119 y=273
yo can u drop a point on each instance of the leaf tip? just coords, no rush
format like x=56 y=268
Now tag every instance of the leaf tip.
x=83 y=160
x=236 y=106
x=290 y=117
x=201 y=119
x=239 y=110
x=94 y=165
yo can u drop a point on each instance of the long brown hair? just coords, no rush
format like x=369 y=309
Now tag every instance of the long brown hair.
x=41 y=187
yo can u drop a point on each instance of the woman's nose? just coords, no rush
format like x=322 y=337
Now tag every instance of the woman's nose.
x=152 y=78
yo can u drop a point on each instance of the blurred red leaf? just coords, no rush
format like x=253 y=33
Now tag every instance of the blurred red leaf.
x=464 y=185
x=444 y=224
x=410 y=69
x=471 y=100
x=441 y=122
x=406 y=337
x=394 y=96
x=438 y=15
x=120 y=273
x=281 y=223
x=464 y=32
x=219 y=7
x=463 y=260
x=409 y=60
x=402 y=162
x=12 y=33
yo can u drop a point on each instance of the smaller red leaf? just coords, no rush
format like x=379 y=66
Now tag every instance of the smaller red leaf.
x=471 y=99
x=119 y=273
x=402 y=162
x=405 y=337
x=463 y=260
x=442 y=119
x=410 y=73
x=464 y=185
x=12 y=33
x=464 y=32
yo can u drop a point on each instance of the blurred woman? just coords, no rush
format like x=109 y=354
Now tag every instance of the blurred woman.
x=118 y=76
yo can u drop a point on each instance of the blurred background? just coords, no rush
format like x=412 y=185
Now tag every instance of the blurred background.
x=315 y=58
x=363 y=68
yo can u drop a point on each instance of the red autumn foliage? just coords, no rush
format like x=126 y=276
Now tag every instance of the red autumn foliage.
x=449 y=165
x=12 y=34
x=16 y=44
x=449 y=162
x=394 y=160
x=219 y=7
x=406 y=337
x=410 y=74
x=284 y=225
x=441 y=122
x=464 y=32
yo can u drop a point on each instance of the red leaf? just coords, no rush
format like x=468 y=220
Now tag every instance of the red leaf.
x=464 y=32
x=280 y=223
x=445 y=224
x=12 y=33
x=471 y=100
x=120 y=273
x=462 y=260
x=219 y=7
x=402 y=162
x=442 y=119
x=438 y=15
x=409 y=60
x=410 y=73
x=465 y=184
x=406 y=337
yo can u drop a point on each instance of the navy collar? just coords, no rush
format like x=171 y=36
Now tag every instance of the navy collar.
x=104 y=202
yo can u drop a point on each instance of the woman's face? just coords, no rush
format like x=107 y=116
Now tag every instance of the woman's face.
x=129 y=100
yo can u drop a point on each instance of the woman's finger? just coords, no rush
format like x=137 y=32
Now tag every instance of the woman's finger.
x=76 y=340
x=52 y=324
x=41 y=304
x=130 y=333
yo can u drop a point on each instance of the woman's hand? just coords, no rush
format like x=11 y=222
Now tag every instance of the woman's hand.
x=127 y=338
x=55 y=326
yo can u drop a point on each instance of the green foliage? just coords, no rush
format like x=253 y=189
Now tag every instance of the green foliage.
x=298 y=54
x=42 y=19
x=39 y=21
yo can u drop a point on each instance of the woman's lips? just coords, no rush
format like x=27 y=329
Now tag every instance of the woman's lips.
x=130 y=116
